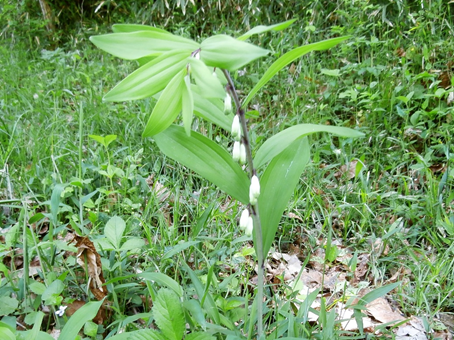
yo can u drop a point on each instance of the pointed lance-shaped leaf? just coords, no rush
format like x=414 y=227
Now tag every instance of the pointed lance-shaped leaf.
x=211 y=109
x=149 y=79
x=168 y=106
x=187 y=105
x=280 y=141
x=135 y=45
x=125 y=28
x=263 y=29
x=205 y=157
x=210 y=86
x=277 y=184
x=286 y=59
x=228 y=53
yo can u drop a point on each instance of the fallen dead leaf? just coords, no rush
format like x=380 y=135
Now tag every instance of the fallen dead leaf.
x=89 y=259
x=412 y=330
x=381 y=310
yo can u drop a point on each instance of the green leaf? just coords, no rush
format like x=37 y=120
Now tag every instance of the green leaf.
x=196 y=311
x=333 y=73
x=211 y=109
x=210 y=86
x=201 y=221
x=78 y=319
x=163 y=280
x=286 y=59
x=124 y=28
x=99 y=139
x=209 y=305
x=52 y=291
x=132 y=243
x=8 y=305
x=206 y=158
x=168 y=314
x=378 y=292
x=149 y=79
x=187 y=103
x=199 y=336
x=37 y=287
x=277 y=186
x=143 y=334
x=263 y=29
x=135 y=45
x=109 y=139
x=55 y=202
x=6 y=334
x=168 y=106
x=274 y=145
x=179 y=248
x=228 y=53
x=114 y=230
x=90 y=329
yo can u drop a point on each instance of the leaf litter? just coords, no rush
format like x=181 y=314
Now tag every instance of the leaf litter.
x=341 y=284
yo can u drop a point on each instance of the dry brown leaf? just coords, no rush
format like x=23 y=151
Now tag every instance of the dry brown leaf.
x=381 y=310
x=89 y=259
x=442 y=335
x=347 y=170
x=412 y=330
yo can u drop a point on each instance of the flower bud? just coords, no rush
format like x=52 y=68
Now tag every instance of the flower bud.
x=227 y=104
x=236 y=152
x=242 y=154
x=249 y=227
x=254 y=190
x=236 y=128
x=244 y=219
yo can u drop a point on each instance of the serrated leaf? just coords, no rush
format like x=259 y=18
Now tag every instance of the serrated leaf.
x=77 y=320
x=132 y=243
x=146 y=334
x=277 y=143
x=277 y=185
x=168 y=106
x=135 y=45
x=228 y=53
x=211 y=109
x=187 y=102
x=286 y=59
x=168 y=314
x=206 y=158
x=149 y=79
x=263 y=29
x=163 y=279
x=114 y=230
x=124 y=28
x=210 y=86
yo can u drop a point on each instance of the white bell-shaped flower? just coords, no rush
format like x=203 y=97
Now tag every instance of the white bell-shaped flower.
x=254 y=190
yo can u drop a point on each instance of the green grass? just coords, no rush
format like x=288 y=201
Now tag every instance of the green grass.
x=386 y=83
